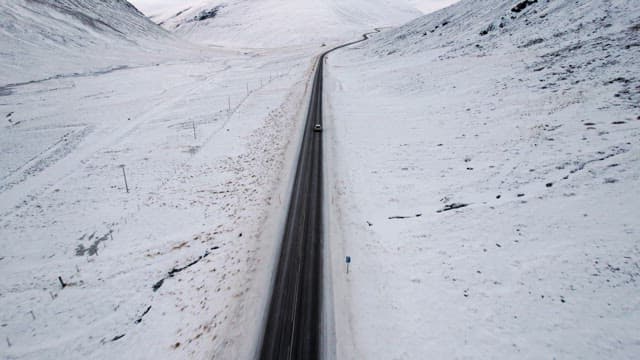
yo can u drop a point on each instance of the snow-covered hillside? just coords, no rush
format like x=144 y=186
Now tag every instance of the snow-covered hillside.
x=47 y=38
x=278 y=23
x=485 y=180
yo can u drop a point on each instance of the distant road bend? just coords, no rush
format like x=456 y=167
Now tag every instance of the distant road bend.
x=293 y=326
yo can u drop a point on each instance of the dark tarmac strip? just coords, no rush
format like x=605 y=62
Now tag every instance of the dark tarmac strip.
x=293 y=327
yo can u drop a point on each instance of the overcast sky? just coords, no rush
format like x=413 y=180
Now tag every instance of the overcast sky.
x=150 y=7
x=427 y=6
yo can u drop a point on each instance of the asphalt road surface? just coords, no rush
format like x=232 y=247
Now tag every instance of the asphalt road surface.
x=293 y=326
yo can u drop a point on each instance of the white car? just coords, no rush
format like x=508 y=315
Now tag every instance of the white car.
x=317 y=127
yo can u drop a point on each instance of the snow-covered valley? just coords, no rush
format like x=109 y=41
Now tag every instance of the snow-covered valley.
x=482 y=170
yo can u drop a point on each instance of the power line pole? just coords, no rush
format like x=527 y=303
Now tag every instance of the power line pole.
x=124 y=175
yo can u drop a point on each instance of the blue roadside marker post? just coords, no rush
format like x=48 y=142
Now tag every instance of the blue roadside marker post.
x=348 y=261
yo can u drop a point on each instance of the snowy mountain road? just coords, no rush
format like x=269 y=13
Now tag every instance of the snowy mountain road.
x=293 y=323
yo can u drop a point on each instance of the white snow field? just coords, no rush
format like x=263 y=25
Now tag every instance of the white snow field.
x=484 y=172
x=180 y=266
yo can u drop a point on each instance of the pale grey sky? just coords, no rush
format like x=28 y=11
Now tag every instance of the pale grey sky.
x=427 y=6
x=149 y=7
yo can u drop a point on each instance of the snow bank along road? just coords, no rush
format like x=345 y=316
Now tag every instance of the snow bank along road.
x=293 y=324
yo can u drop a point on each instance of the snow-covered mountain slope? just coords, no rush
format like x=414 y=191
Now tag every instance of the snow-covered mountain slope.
x=45 y=38
x=486 y=183
x=279 y=23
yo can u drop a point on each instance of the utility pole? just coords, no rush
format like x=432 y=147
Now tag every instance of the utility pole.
x=124 y=175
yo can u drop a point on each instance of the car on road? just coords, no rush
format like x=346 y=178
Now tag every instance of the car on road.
x=317 y=127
